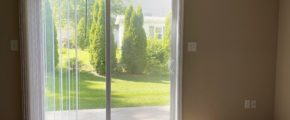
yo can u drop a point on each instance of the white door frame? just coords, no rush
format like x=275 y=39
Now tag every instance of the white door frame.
x=176 y=82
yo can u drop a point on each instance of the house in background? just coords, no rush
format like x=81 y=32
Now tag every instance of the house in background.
x=154 y=19
x=154 y=26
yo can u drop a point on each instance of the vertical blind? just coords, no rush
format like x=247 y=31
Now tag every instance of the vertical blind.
x=60 y=20
x=42 y=32
x=50 y=58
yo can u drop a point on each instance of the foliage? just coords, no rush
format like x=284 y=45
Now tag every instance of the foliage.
x=69 y=43
x=97 y=43
x=134 y=41
x=83 y=58
x=157 y=57
x=95 y=11
x=118 y=66
x=141 y=41
x=56 y=54
x=127 y=53
x=158 y=51
x=74 y=63
x=91 y=16
x=167 y=34
x=81 y=35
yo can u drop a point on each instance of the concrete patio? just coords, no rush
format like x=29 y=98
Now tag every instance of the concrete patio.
x=131 y=113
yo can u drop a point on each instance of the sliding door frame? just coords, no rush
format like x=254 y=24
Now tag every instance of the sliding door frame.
x=177 y=64
x=108 y=58
x=31 y=60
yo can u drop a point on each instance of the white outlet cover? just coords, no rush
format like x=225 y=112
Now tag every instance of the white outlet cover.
x=253 y=104
x=192 y=47
x=247 y=104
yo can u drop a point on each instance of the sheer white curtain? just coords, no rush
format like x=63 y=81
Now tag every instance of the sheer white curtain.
x=50 y=78
x=33 y=59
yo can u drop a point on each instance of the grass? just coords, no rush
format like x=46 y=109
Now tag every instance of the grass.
x=127 y=90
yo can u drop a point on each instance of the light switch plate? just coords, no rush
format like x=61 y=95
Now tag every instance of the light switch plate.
x=192 y=47
x=247 y=104
x=14 y=45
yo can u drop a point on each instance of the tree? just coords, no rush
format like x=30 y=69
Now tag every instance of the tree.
x=167 y=37
x=113 y=47
x=167 y=33
x=81 y=34
x=134 y=41
x=56 y=54
x=97 y=43
x=127 y=44
x=117 y=8
x=140 y=41
x=93 y=24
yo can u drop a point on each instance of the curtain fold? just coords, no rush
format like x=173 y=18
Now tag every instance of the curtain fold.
x=50 y=78
x=31 y=32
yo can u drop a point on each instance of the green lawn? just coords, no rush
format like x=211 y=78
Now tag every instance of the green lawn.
x=127 y=90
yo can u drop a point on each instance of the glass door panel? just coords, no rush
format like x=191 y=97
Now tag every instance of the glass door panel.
x=141 y=84
x=74 y=57
x=140 y=59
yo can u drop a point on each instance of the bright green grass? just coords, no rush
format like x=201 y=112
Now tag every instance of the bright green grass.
x=127 y=90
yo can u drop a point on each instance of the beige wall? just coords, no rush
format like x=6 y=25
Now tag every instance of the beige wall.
x=235 y=59
x=282 y=104
x=10 y=88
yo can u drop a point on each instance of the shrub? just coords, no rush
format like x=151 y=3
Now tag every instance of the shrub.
x=158 y=51
x=81 y=34
x=72 y=62
x=70 y=44
x=157 y=57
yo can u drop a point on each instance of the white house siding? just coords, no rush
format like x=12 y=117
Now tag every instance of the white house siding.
x=148 y=21
x=121 y=35
x=157 y=8
x=154 y=11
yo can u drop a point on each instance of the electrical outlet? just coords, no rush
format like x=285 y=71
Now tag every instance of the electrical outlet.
x=192 y=46
x=247 y=104
x=253 y=104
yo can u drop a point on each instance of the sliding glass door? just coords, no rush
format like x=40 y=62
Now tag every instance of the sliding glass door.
x=111 y=59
